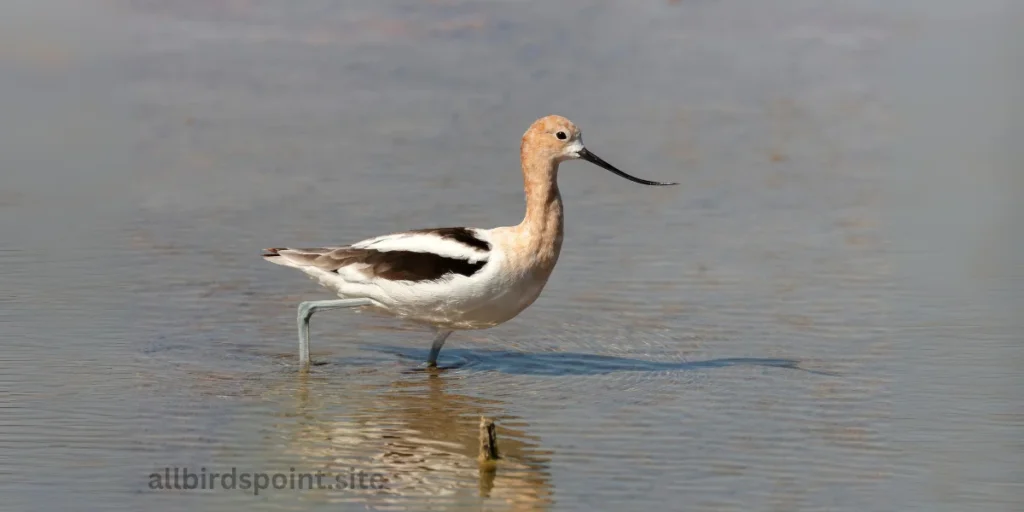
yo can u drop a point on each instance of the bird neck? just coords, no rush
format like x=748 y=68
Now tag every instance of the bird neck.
x=542 y=226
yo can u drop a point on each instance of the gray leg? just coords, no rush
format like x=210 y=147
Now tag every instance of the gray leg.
x=436 y=347
x=306 y=310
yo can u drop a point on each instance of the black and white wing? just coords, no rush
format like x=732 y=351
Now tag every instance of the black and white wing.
x=421 y=255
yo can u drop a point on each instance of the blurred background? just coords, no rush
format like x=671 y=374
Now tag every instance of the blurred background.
x=823 y=316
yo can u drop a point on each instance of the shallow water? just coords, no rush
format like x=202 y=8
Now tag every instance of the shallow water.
x=817 y=319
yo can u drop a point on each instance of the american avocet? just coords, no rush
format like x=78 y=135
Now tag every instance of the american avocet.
x=455 y=278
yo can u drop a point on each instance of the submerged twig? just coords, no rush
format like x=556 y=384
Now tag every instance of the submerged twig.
x=488 y=444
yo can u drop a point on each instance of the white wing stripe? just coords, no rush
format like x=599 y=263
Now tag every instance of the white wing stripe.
x=424 y=242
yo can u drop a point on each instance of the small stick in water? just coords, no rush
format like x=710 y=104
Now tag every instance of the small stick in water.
x=488 y=443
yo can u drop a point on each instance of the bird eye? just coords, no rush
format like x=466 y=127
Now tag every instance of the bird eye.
x=561 y=135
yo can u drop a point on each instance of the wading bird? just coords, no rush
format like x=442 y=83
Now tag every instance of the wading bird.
x=455 y=278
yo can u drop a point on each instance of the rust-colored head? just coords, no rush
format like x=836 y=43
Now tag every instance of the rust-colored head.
x=552 y=138
x=555 y=139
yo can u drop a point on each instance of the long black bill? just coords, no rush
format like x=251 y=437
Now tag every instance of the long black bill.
x=596 y=160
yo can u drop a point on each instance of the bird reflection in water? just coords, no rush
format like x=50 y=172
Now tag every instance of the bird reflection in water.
x=424 y=439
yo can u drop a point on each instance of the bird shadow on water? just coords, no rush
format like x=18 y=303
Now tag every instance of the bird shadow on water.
x=571 y=363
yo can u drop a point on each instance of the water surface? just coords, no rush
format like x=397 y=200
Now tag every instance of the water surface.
x=815 y=320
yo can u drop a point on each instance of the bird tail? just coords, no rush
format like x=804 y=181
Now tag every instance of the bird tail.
x=273 y=255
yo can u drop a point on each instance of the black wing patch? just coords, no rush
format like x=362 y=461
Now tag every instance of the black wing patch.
x=415 y=266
